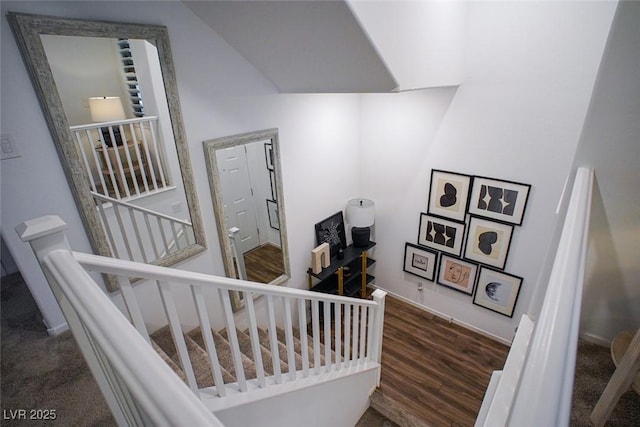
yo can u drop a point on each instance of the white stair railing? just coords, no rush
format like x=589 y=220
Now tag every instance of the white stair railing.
x=536 y=385
x=359 y=321
x=139 y=234
x=124 y=159
x=138 y=386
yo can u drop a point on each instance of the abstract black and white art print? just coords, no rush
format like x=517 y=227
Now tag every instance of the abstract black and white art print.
x=497 y=291
x=449 y=194
x=441 y=234
x=420 y=261
x=500 y=200
x=488 y=242
x=331 y=230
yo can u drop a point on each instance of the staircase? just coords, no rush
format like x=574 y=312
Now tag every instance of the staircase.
x=163 y=344
x=315 y=354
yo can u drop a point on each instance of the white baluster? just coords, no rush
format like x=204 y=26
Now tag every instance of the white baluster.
x=363 y=330
x=207 y=336
x=338 y=334
x=288 y=328
x=255 y=339
x=233 y=339
x=273 y=339
x=327 y=335
x=354 y=327
x=315 y=322
x=131 y=303
x=304 y=343
x=176 y=332
x=347 y=333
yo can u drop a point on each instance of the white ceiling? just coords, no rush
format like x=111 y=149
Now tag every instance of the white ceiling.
x=301 y=46
x=327 y=46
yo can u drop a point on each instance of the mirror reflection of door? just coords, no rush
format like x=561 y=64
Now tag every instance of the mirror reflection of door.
x=245 y=173
x=239 y=209
x=129 y=155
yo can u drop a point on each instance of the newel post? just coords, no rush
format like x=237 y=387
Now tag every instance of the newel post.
x=44 y=234
x=376 y=341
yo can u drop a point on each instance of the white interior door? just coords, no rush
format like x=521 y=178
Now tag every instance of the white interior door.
x=239 y=209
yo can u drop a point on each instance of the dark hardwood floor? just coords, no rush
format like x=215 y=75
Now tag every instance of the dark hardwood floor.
x=263 y=263
x=433 y=371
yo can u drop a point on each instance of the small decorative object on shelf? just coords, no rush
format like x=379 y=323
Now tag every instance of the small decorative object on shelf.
x=341 y=276
x=320 y=258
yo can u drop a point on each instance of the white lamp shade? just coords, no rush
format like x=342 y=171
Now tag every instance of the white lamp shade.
x=106 y=109
x=360 y=212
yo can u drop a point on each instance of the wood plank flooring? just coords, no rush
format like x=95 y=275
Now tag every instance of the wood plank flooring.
x=436 y=372
x=264 y=263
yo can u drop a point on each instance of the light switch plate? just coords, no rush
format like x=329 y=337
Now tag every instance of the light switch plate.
x=8 y=149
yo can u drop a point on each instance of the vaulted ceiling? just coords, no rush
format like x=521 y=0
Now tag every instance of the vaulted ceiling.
x=324 y=46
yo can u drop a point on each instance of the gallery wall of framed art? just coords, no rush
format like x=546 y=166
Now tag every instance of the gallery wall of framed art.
x=465 y=236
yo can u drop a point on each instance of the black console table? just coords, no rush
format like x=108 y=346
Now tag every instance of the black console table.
x=347 y=276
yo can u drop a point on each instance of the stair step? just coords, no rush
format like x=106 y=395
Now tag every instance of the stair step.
x=394 y=411
x=297 y=344
x=197 y=356
x=167 y=359
x=225 y=355
x=282 y=350
x=244 y=341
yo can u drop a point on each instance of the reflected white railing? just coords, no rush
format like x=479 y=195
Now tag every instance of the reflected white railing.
x=536 y=385
x=345 y=338
x=132 y=166
x=140 y=234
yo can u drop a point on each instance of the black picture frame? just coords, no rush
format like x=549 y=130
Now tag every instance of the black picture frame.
x=497 y=291
x=272 y=181
x=442 y=234
x=420 y=261
x=268 y=155
x=332 y=231
x=457 y=274
x=488 y=242
x=499 y=200
x=272 y=212
x=449 y=194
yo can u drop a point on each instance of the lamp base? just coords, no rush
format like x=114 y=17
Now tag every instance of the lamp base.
x=360 y=236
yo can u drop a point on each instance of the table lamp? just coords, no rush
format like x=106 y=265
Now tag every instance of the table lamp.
x=107 y=109
x=360 y=214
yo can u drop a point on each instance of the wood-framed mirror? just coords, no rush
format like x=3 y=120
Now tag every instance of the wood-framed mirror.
x=128 y=167
x=245 y=177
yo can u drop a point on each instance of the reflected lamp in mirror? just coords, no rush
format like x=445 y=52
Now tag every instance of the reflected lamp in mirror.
x=107 y=109
x=360 y=214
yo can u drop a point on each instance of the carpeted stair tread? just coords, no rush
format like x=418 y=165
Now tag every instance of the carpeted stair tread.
x=177 y=369
x=282 y=350
x=244 y=341
x=298 y=344
x=197 y=356
x=225 y=355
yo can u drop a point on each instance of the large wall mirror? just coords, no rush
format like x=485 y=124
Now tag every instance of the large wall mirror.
x=109 y=95
x=246 y=184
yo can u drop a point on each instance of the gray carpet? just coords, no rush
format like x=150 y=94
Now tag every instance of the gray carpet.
x=44 y=372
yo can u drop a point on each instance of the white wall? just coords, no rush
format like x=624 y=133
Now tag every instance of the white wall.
x=220 y=94
x=82 y=68
x=611 y=145
x=517 y=116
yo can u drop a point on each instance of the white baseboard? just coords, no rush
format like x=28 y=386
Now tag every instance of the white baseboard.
x=595 y=339
x=448 y=318
x=56 y=330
